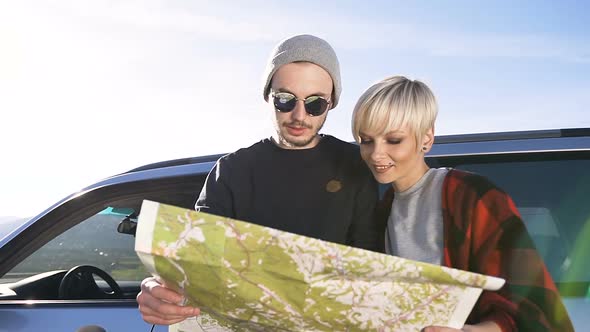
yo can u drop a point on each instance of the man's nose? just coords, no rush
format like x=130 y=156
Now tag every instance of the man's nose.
x=298 y=112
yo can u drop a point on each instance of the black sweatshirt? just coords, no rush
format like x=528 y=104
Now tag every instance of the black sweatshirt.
x=325 y=192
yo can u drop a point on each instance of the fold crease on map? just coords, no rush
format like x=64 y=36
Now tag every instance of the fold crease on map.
x=253 y=278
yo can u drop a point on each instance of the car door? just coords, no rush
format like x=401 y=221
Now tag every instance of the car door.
x=551 y=190
x=92 y=228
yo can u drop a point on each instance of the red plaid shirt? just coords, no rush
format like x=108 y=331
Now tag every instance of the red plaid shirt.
x=483 y=233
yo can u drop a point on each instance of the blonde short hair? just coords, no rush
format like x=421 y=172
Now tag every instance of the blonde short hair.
x=393 y=103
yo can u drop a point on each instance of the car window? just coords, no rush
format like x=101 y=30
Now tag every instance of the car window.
x=552 y=197
x=95 y=241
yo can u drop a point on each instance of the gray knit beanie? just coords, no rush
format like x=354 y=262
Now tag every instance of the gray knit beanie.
x=306 y=48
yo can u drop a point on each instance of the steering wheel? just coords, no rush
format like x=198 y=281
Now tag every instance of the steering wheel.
x=79 y=283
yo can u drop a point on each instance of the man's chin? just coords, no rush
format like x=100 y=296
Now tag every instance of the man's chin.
x=299 y=142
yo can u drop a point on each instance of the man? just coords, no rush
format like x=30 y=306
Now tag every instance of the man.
x=298 y=180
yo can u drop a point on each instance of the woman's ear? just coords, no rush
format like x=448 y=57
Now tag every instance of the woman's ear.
x=427 y=140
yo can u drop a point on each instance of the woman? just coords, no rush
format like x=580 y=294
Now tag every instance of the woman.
x=451 y=217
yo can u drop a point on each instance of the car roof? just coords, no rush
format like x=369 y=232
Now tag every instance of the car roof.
x=574 y=139
x=570 y=138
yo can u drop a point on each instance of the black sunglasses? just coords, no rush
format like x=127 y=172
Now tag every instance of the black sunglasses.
x=314 y=105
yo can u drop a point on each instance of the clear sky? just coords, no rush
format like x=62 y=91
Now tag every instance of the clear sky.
x=92 y=88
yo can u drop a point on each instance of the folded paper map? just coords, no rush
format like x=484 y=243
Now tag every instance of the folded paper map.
x=247 y=277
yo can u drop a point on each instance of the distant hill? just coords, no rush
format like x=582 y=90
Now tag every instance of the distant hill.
x=8 y=219
x=8 y=223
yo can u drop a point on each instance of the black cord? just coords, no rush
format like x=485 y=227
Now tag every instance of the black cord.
x=154 y=325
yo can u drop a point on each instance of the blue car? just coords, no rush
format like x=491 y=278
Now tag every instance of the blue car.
x=74 y=266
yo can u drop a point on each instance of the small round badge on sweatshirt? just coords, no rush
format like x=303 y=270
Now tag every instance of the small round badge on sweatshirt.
x=333 y=186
